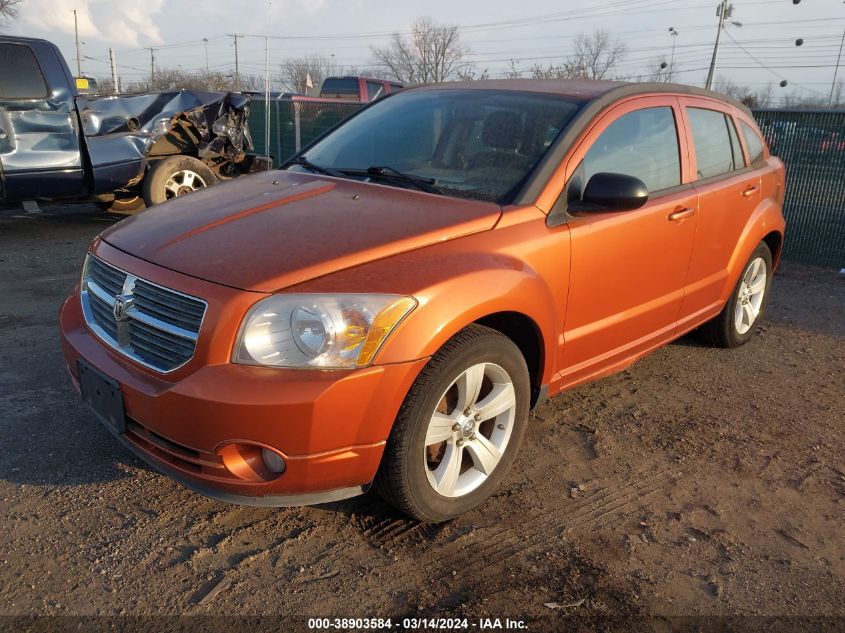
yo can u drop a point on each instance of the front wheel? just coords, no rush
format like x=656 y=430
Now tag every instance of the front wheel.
x=735 y=324
x=459 y=429
x=176 y=176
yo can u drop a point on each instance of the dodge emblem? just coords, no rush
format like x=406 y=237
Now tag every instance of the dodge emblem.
x=120 y=309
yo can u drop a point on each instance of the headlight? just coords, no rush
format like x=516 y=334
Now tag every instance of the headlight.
x=319 y=331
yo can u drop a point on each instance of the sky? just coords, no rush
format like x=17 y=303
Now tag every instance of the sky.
x=759 y=52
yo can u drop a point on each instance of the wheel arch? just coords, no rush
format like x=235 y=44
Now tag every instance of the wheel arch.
x=767 y=225
x=527 y=336
x=516 y=302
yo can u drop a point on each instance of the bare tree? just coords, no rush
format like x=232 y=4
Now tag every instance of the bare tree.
x=8 y=10
x=513 y=71
x=469 y=74
x=761 y=98
x=595 y=56
x=433 y=53
x=295 y=72
x=659 y=70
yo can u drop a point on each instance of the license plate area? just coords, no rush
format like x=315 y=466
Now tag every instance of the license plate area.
x=103 y=395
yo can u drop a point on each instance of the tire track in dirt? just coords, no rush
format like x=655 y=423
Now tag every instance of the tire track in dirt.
x=541 y=529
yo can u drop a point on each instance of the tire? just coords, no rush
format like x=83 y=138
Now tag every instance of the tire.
x=122 y=204
x=176 y=176
x=411 y=471
x=724 y=330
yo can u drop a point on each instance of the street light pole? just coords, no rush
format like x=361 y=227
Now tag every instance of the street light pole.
x=674 y=33
x=723 y=13
x=205 y=41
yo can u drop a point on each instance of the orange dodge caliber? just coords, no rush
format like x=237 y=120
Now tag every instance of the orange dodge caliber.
x=386 y=308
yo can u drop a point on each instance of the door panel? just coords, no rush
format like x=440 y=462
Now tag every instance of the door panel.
x=628 y=268
x=39 y=141
x=626 y=284
x=726 y=202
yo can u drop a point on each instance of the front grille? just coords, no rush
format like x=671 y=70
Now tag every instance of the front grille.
x=151 y=324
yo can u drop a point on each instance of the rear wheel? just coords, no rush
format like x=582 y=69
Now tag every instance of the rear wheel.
x=459 y=428
x=176 y=176
x=735 y=324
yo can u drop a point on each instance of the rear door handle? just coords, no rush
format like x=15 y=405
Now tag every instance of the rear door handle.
x=681 y=214
x=749 y=190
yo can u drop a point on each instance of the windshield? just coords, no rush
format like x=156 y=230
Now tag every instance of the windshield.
x=479 y=144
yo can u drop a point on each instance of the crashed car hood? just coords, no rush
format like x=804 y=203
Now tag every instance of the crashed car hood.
x=271 y=230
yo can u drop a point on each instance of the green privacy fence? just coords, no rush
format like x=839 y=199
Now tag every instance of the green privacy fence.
x=294 y=122
x=810 y=142
x=812 y=145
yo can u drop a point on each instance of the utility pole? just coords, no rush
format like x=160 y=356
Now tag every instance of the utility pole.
x=115 y=88
x=152 y=67
x=836 y=71
x=724 y=10
x=205 y=41
x=237 y=67
x=267 y=95
x=78 y=56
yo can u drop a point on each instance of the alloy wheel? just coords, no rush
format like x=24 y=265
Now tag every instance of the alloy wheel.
x=470 y=430
x=750 y=295
x=183 y=182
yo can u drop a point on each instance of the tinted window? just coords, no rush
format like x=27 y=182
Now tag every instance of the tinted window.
x=20 y=75
x=375 y=90
x=753 y=142
x=340 y=88
x=643 y=143
x=713 y=152
x=472 y=143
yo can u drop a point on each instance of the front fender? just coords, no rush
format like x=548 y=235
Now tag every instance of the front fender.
x=449 y=304
x=767 y=218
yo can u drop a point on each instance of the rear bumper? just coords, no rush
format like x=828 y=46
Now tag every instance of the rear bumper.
x=329 y=426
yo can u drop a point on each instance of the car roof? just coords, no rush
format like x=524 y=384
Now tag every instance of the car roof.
x=583 y=89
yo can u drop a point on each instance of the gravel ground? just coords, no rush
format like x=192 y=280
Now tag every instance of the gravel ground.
x=699 y=482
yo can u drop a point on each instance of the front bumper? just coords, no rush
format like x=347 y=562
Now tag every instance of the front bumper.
x=330 y=426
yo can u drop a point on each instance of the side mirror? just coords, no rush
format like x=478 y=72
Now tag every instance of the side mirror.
x=612 y=192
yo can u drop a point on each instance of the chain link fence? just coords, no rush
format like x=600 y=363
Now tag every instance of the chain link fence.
x=294 y=122
x=812 y=145
x=810 y=142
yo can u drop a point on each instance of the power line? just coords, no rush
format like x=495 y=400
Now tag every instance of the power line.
x=774 y=72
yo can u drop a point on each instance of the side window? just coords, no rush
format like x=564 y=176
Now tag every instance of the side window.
x=644 y=144
x=375 y=89
x=753 y=142
x=20 y=75
x=714 y=153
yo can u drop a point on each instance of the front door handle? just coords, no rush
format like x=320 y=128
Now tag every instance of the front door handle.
x=749 y=190
x=681 y=214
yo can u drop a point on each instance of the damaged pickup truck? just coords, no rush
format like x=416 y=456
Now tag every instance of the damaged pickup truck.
x=122 y=152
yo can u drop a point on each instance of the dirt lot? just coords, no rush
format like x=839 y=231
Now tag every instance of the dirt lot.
x=699 y=482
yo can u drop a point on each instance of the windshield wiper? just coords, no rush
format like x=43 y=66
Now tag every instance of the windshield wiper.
x=424 y=184
x=301 y=160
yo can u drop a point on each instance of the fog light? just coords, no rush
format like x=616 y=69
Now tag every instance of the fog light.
x=273 y=461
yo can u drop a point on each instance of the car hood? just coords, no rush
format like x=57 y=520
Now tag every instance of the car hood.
x=271 y=230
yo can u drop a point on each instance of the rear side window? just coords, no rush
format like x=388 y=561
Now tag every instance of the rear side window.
x=714 y=151
x=753 y=142
x=644 y=144
x=20 y=75
x=375 y=89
